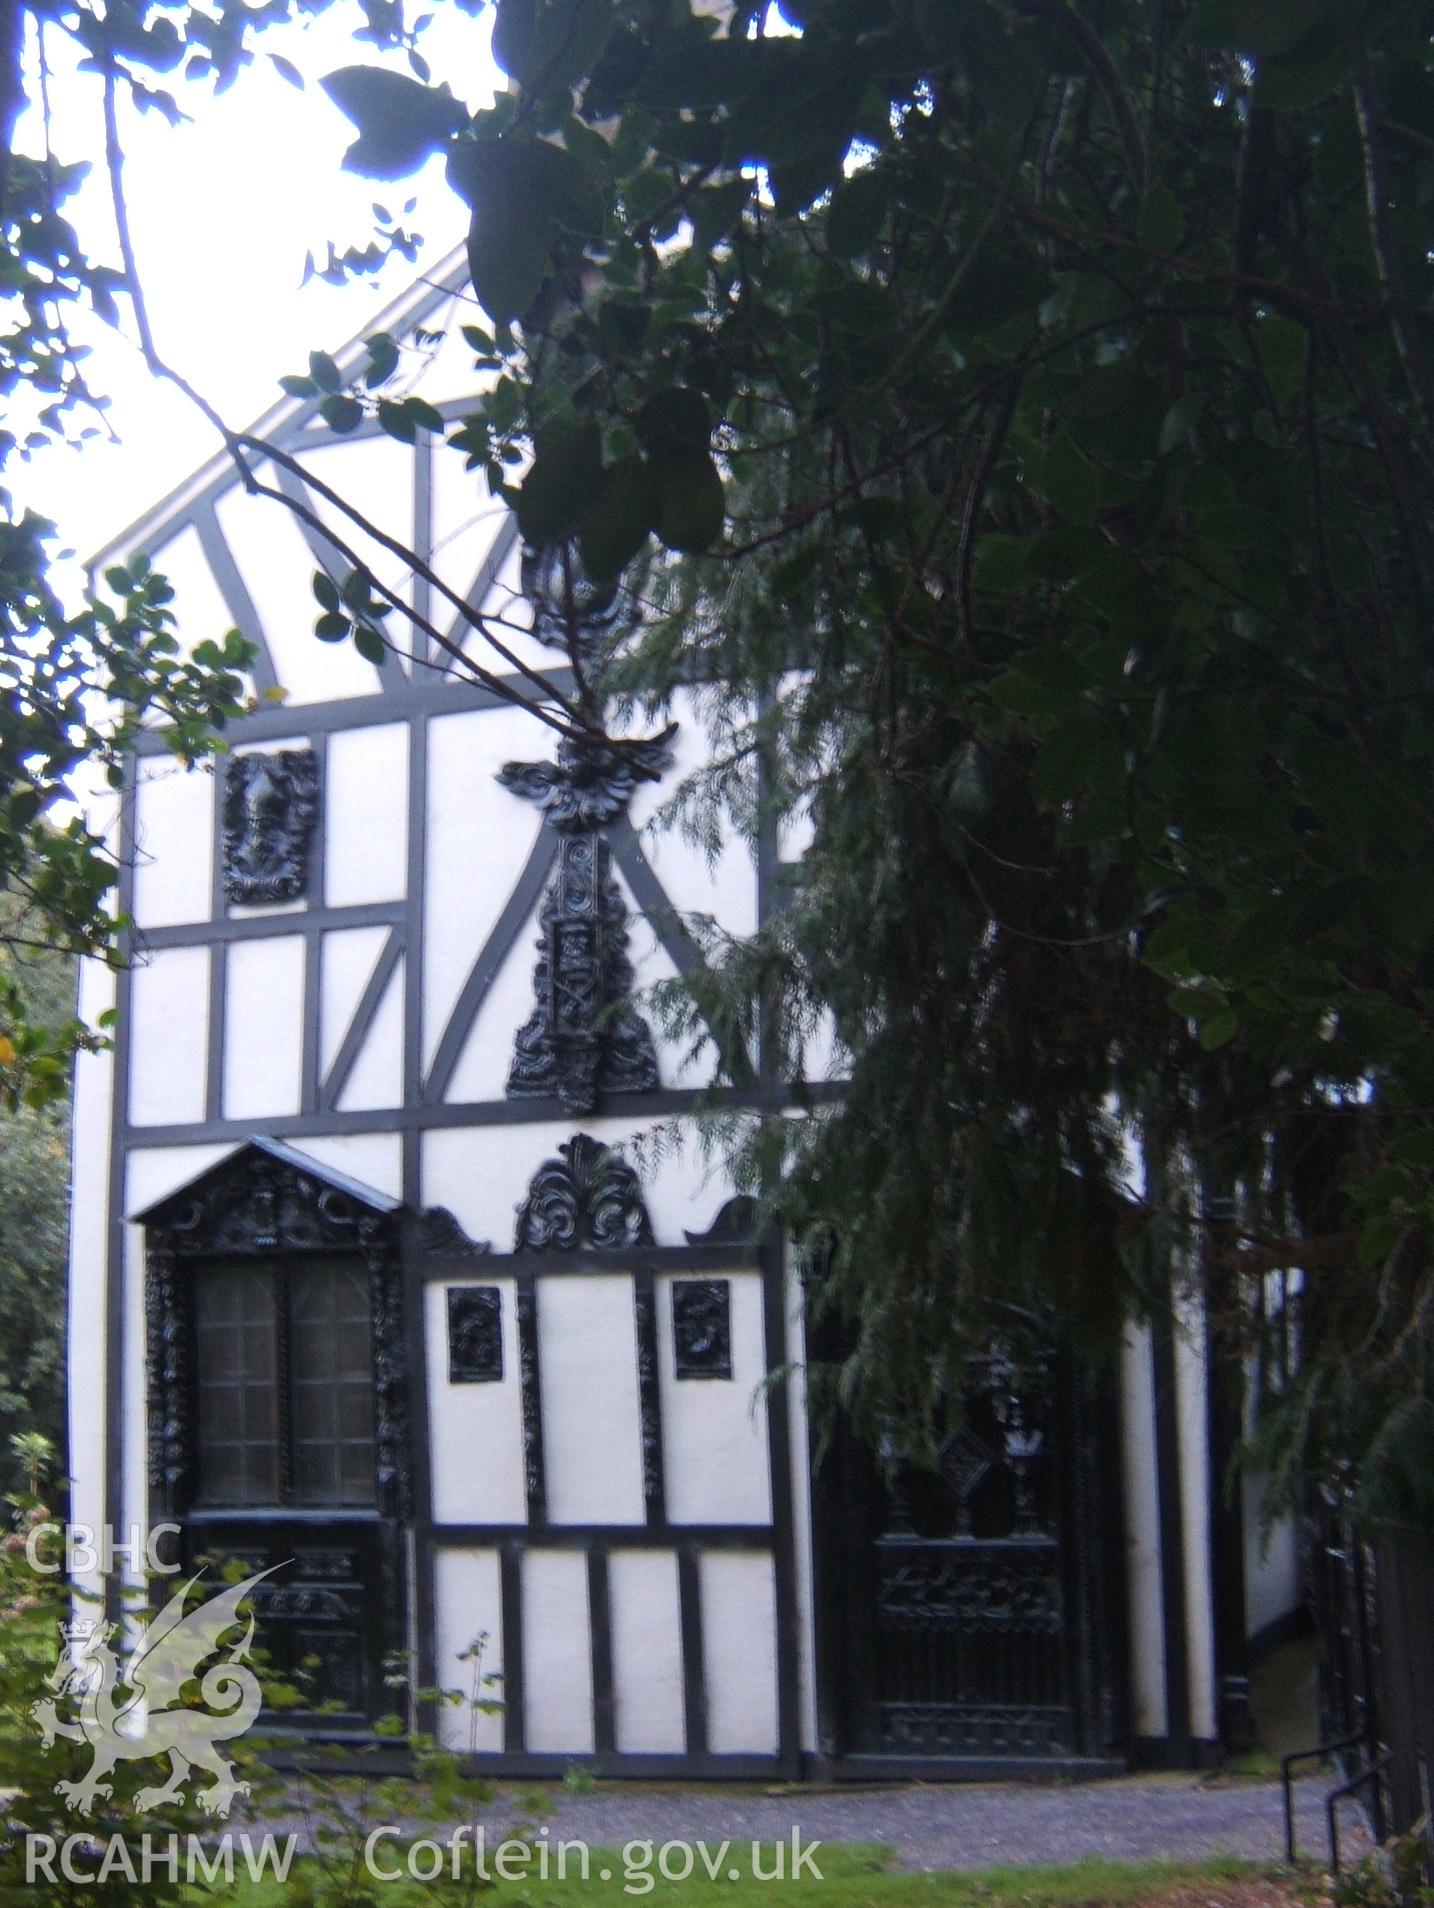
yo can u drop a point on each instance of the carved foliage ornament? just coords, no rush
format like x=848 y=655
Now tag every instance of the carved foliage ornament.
x=475 y=1334
x=271 y=804
x=702 y=1328
x=586 y=1198
x=570 y=610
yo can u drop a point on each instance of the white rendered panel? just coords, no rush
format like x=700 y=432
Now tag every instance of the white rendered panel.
x=481 y=1174
x=679 y=1063
x=724 y=886
x=1142 y=1524
x=1192 y=1431
x=173 y=843
x=1274 y=1577
x=168 y=1026
x=263 y=1027
x=557 y=1652
x=714 y=1430
x=479 y=836
x=376 y=476
x=587 y=1363
x=649 y=1717
x=201 y=613
x=475 y=1430
x=278 y=568
x=90 y=1137
x=348 y=959
x=377 y=1075
x=365 y=808
x=507 y=612
x=470 y=1605
x=482 y=1069
x=739 y=1651
x=373 y=1159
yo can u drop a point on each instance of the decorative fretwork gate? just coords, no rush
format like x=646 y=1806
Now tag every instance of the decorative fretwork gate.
x=968 y=1614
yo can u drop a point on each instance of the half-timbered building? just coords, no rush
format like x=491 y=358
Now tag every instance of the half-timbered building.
x=374 y=1279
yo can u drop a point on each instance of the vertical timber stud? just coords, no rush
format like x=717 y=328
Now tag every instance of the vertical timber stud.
x=530 y=1387
x=315 y=874
x=600 y=1629
x=654 y=1490
x=510 y=1580
x=420 y=1433
x=694 y=1670
x=1224 y=1397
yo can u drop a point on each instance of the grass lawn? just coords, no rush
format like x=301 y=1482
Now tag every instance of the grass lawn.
x=851 y=1877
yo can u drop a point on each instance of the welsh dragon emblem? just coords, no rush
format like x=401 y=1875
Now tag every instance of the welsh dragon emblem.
x=150 y=1720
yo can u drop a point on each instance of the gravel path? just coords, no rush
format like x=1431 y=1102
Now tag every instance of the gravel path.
x=966 y=1825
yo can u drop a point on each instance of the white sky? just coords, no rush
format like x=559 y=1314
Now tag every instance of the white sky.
x=222 y=211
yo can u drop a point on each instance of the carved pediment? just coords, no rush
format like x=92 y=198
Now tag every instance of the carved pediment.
x=268 y=1198
x=587 y=1197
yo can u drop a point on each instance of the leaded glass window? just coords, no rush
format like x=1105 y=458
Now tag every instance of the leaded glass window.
x=284 y=1359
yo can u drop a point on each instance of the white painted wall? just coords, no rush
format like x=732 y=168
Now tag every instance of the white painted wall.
x=1193 y=1437
x=470 y=1605
x=263 y=1027
x=173 y=843
x=89 y=1245
x=365 y=809
x=557 y=1652
x=714 y=1430
x=587 y=1363
x=739 y=1650
x=169 y=1024
x=475 y=1430
x=646 y=1652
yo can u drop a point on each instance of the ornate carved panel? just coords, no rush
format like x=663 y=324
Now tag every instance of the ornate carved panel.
x=735 y=1224
x=475 y=1334
x=588 y=1197
x=702 y=1328
x=583 y=1039
x=271 y=804
x=995 y=1730
x=972 y=1588
x=265 y=1202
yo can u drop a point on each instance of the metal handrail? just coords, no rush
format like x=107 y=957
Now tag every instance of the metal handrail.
x=1371 y=1772
x=1287 y=1782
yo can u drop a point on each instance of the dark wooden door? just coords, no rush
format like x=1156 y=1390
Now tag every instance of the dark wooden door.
x=285 y=1476
x=969 y=1614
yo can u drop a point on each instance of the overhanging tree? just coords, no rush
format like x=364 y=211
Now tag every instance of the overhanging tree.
x=1039 y=399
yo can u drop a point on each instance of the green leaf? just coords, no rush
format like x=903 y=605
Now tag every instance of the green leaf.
x=326 y=591
x=1159 y=221
x=397 y=420
x=620 y=518
x=299 y=387
x=549 y=44
x=370 y=645
x=522 y=191
x=400 y=121
x=561 y=484
x=342 y=414
x=1219 y=1030
x=691 y=505
x=679 y=418
x=324 y=371
x=1068 y=480
x=331 y=627
x=857 y=213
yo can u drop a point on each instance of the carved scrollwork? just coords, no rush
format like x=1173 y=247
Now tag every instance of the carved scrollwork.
x=570 y=610
x=971 y=1593
x=475 y=1334
x=271 y=805
x=582 y=1039
x=702 y=1328
x=439 y=1231
x=586 y=1198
